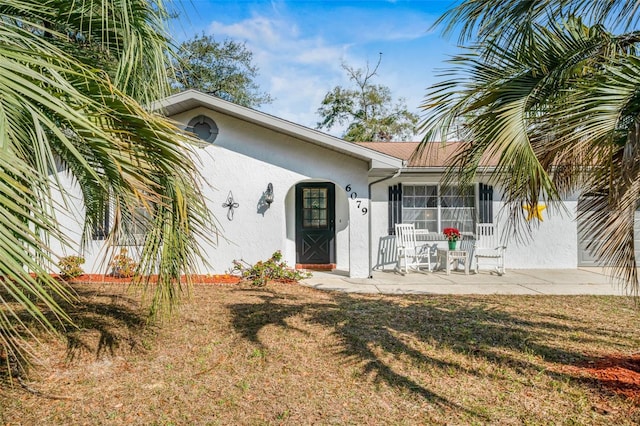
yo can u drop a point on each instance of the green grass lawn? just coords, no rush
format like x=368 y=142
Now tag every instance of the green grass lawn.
x=285 y=354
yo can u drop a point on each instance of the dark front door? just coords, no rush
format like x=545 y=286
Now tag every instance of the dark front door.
x=315 y=223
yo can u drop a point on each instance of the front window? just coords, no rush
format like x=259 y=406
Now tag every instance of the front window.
x=434 y=208
x=420 y=206
x=134 y=223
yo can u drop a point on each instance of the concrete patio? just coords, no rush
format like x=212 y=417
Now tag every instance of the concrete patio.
x=518 y=281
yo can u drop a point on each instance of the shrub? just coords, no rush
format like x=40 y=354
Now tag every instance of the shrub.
x=122 y=265
x=273 y=269
x=70 y=266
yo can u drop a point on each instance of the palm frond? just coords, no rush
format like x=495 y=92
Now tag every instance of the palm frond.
x=558 y=105
x=71 y=75
x=506 y=21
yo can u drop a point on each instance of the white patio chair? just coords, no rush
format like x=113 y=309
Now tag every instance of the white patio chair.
x=410 y=254
x=488 y=247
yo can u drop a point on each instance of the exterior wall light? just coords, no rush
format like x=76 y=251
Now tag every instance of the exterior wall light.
x=268 y=195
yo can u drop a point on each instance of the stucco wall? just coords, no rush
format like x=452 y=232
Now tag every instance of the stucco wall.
x=243 y=160
x=553 y=243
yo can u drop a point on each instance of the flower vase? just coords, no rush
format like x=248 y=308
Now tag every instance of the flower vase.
x=453 y=244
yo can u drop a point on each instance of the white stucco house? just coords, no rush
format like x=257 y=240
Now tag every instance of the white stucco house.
x=276 y=185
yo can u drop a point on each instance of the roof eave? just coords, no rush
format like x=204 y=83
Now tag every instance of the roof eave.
x=442 y=169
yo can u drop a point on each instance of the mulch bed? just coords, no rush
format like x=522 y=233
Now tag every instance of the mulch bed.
x=617 y=373
x=196 y=279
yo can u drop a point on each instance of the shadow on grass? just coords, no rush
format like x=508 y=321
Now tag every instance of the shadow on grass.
x=368 y=326
x=107 y=321
x=273 y=309
x=104 y=321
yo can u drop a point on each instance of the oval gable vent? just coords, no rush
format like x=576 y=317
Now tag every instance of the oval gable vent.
x=204 y=128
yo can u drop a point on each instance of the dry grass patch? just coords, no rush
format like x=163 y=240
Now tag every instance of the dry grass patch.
x=286 y=354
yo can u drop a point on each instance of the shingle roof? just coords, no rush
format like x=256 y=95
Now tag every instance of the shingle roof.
x=435 y=154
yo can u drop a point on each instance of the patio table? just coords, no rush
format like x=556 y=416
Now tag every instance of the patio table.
x=447 y=257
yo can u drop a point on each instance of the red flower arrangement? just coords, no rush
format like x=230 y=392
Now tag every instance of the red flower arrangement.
x=452 y=234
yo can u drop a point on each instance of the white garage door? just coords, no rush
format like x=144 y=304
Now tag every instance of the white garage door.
x=585 y=259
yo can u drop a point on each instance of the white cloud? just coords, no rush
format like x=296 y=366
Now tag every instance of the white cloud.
x=326 y=55
x=295 y=69
x=299 y=56
x=258 y=29
x=299 y=95
x=279 y=39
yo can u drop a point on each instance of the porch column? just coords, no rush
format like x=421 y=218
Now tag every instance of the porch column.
x=358 y=231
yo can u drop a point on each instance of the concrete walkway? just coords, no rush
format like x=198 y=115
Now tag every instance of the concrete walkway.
x=517 y=281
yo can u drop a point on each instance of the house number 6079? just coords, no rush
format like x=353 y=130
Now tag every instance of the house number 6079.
x=354 y=195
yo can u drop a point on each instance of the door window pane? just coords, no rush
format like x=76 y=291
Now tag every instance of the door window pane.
x=314 y=210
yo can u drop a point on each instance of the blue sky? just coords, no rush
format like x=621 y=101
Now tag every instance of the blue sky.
x=299 y=45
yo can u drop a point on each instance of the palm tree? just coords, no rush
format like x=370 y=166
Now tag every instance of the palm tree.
x=555 y=98
x=73 y=77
